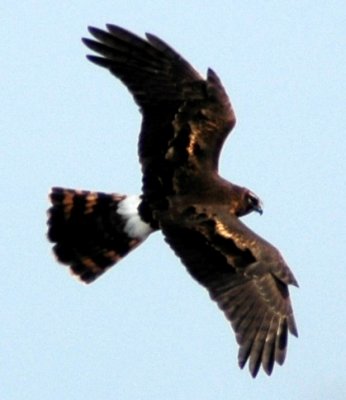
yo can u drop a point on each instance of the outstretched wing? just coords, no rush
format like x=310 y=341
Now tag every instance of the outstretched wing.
x=185 y=118
x=244 y=274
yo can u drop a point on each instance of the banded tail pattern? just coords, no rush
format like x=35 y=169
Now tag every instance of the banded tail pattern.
x=92 y=231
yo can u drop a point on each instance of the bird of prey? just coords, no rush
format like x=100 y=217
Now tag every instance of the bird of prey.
x=186 y=119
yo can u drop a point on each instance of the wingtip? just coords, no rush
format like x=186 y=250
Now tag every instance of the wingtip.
x=116 y=28
x=211 y=75
x=254 y=369
x=93 y=30
x=150 y=36
x=85 y=41
x=292 y=327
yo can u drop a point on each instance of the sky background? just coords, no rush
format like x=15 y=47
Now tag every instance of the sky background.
x=146 y=330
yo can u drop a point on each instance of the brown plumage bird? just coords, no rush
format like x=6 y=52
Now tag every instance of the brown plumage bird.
x=186 y=120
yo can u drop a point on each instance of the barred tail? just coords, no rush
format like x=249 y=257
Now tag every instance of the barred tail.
x=92 y=231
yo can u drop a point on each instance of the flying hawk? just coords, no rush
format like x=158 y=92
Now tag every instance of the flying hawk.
x=186 y=120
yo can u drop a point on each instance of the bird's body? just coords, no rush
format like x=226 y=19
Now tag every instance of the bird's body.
x=186 y=120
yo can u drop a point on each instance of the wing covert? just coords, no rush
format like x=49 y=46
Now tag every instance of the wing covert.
x=245 y=288
x=185 y=117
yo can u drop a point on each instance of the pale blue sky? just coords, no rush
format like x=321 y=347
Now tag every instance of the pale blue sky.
x=146 y=330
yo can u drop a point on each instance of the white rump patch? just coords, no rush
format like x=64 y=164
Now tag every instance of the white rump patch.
x=135 y=227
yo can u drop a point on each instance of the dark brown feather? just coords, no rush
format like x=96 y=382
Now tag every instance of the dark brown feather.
x=227 y=259
x=88 y=231
x=186 y=120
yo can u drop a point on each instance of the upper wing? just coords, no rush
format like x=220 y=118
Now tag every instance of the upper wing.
x=185 y=118
x=244 y=274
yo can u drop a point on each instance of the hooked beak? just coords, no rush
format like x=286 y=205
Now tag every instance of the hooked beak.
x=259 y=208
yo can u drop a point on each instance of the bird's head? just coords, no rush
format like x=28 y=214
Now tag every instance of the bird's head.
x=249 y=202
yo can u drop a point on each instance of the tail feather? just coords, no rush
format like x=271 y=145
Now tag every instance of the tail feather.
x=92 y=231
